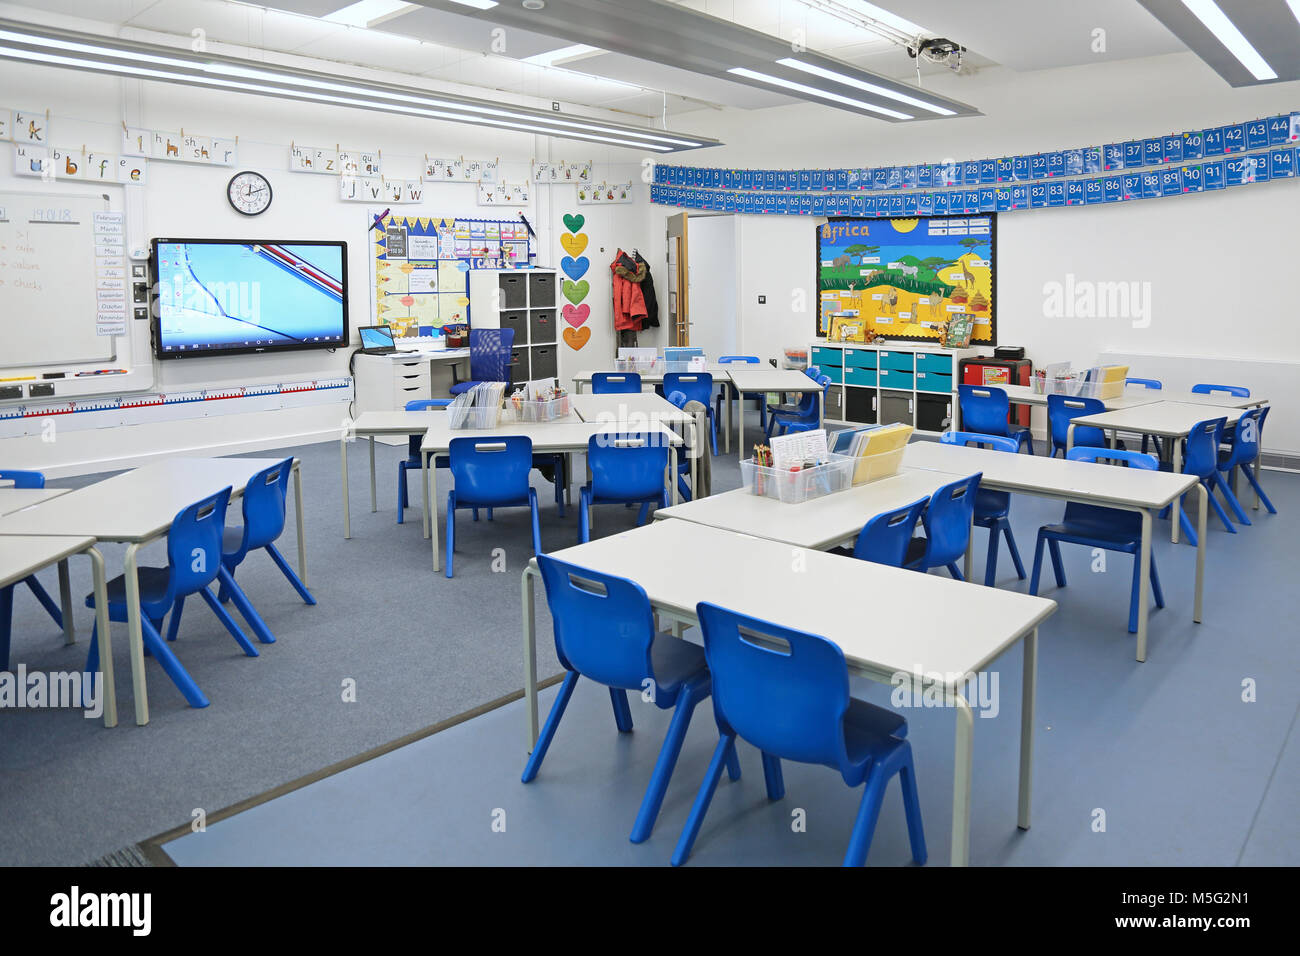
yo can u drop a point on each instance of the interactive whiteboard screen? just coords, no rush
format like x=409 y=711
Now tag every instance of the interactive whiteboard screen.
x=216 y=296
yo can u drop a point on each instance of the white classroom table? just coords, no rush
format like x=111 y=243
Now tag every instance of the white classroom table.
x=752 y=378
x=564 y=437
x=819 y=523
x=1025 y=395
x=137 y=507
x=1169 y=421
x=16 y=499
x=919 y=624
x=634 y=411
x=21 y=555
x=1145 y=492
x=721 y=375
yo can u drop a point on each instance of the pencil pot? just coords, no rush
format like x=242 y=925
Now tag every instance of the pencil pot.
x=795 y=487
x=538 y=411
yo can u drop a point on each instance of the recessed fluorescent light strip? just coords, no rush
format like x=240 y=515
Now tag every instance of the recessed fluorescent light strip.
x=1226 y=32
x=814 y=91
x=853 y=81
x=101 y=57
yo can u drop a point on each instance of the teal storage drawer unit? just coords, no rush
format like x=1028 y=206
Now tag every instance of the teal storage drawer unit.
x=893 y=378
x=934 y=362
x=899 y=361
x=860 y=358
x=859 y=376
x=825 y=356
x=932 y=381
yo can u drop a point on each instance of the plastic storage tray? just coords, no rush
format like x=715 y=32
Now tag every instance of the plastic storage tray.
x=632 y=365
x=874 y=467
x=796 y=487
x=1077 y=387
x=551 y=411
x=474 y=417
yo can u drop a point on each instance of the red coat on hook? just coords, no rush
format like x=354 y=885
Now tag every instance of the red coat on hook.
x=629 y=302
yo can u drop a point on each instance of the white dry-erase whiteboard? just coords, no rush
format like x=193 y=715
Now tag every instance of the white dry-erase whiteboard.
x=47 y=280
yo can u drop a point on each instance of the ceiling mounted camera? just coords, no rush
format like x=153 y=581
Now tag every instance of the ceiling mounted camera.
x=938 y=50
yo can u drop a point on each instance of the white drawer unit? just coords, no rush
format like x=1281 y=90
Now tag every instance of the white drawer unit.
x=525 y=301
x=886 y=382
x=387 y=382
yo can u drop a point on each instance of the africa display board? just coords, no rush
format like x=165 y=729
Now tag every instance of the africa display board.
x=915 y=278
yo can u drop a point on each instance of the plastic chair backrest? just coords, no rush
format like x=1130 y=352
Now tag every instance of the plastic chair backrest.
x=812 y=371
x=1240 y=391
x=489 y=354
x=615 y=383
x=784 y=691
x=604 y=626
x=1132 y=459
x=1202 y=455
x=1112 y=519
x=626 y=465
x=948 y=519
x=23 y=479
x=884 y=539
x=995 y=442
x=1145 y=382
x=1243 y=441
x=491 y=471
x=984 y=409
x=413 y=442
x=696 y=386
x=747 y=359
x=194 y=545
x=1062 y=408
x=263 y=505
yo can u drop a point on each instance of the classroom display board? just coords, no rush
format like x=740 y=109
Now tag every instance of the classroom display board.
x=905 y=278
x=421 y=265
x=50 y=277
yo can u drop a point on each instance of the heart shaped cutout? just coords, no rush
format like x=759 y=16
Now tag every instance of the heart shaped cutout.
x=574 y=245
x=574 y=221
x=575 y=268
x=577 y=338
x=575 y=292
x=575 y=315
x=407 y=300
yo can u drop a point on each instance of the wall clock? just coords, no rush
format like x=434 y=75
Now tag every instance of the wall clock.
x=249 y=193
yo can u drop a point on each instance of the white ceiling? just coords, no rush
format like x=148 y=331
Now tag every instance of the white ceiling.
x=442 y=46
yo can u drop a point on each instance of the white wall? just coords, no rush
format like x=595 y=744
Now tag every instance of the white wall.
x=190 y=201
x=1196 y=251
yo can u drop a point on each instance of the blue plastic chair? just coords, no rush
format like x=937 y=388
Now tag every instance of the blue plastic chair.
x=25 y=479
x=604 y=631
x=1201 y=458
x=412 y=460
x=1096 y=526
x=1240 y=391
x=992 y=508
x=489 y=358
x=801 y=417
x=697 y=387
x=789 y=697
x=263 y=510
x=729 y=390
x=947 y=522
x=490 y=473
x=987 y=410
x=1150 y=383
x=615 y=383
x=194 y=561
x=1061 y=410
x=626 y=468
x=1242 y=451
x=884 y=539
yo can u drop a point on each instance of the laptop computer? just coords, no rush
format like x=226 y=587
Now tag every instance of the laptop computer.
x=376 y=340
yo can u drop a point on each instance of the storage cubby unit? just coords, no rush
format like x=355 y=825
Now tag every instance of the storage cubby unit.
x=886 y=383
x=523 y=301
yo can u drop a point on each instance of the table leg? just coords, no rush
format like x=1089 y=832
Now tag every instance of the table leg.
x=301 y=528
x=347 y=517
x=1144 y=584
x=1175 y=509
x=135 y=636
x=732 y=397
x=967 y=562
x=374 y=499
x=107 y=683
x=1255 y=465
x=961 y=782
x=1069 y=437
x=65 y=604
x=530 y=655
x=1114 y=438
x=432 y=499
x=821 y=408
x=1028 y=702
x=672 y=474
x=1203 y=507
x=740 y=430
x=568 y=483
x=424 y=492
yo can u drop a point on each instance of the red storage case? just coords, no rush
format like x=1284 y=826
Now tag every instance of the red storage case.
x=993 y=371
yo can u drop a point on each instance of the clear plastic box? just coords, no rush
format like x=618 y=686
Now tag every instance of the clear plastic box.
x=874 y=467
x=637 y=365
x=551 y=411
x=1077 y=387
x=474 y=417
x=796 y=487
